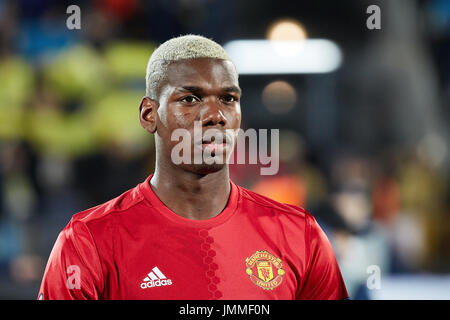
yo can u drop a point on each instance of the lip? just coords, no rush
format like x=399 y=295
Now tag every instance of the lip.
x=214 y=147
x=221 y=140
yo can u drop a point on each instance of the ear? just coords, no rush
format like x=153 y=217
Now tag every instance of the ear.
x=148 y=114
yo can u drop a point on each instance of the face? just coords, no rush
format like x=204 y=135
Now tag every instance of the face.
x=198 y=94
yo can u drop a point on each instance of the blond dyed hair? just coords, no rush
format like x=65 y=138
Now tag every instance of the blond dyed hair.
x=177 y=49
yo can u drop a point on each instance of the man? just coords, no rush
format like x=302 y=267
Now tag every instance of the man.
x=188 y=232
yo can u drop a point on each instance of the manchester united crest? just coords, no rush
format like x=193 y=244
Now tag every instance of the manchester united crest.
x=265 y=270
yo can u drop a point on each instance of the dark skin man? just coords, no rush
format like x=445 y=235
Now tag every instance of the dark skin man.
x=204 y=90
x=189 y=232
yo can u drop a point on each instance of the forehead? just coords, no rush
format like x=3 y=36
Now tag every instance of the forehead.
x=203 y=72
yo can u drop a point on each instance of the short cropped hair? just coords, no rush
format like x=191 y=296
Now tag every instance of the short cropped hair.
x=176 y=49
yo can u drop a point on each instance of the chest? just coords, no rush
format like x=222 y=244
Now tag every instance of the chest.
x=201 y=264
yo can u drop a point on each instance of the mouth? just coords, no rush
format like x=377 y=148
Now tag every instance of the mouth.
x=215 y=144
x=214 y=148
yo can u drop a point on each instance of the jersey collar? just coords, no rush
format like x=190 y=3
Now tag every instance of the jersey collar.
x=227 y=213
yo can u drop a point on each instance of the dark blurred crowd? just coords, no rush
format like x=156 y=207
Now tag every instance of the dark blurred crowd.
x=366 y=152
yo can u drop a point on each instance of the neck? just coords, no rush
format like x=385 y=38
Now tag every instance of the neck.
x=190 y=195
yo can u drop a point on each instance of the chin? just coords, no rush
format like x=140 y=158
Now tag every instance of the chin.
x=204 y=168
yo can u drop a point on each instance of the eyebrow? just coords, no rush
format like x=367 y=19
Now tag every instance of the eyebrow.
x=233 y=89
x=195 y=89
x=192 y=89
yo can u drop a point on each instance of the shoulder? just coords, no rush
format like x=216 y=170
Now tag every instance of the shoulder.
x=106 y=211
x=291 y=217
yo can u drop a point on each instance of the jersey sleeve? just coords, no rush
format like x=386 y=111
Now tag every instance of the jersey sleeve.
x=73 y=271
x=323 y=277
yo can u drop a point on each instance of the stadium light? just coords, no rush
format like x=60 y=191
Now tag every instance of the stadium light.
x=286 y=29
x=284 y=57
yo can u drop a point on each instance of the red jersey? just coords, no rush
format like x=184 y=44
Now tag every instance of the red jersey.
x=134 y=247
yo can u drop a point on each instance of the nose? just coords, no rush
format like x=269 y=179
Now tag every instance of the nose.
x=213 y=116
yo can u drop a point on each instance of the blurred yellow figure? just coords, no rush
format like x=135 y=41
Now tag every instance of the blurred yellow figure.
x=14 y=94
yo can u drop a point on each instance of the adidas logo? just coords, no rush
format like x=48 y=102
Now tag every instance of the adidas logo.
x=155 y=279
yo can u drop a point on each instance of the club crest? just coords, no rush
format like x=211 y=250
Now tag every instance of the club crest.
x=265 y=270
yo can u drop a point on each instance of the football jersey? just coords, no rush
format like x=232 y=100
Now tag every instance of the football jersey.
x=134 y=247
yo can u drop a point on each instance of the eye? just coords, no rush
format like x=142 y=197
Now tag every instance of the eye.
x=229 y=98
x=190 y=99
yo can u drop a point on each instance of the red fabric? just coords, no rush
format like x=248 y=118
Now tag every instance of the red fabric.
x=117 y=245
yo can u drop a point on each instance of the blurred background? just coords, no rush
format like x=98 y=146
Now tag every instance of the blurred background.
x=364 y=124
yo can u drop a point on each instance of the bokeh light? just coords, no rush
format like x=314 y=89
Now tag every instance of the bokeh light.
x=286 y=29
x=279 y=97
